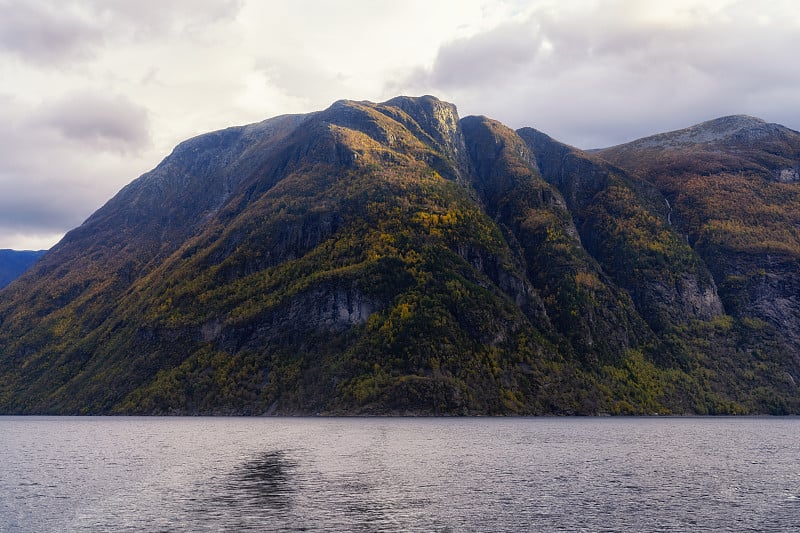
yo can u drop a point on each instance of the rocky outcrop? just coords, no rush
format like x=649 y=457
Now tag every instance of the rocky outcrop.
x=327 y=308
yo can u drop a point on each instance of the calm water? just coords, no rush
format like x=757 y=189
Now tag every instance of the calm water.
x=541 y=474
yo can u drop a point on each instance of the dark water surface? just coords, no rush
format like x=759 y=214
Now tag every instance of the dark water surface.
x=379 y=474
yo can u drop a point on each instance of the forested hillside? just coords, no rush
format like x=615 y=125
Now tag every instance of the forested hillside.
x=394 y=259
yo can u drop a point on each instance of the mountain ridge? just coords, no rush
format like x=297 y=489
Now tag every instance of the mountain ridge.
x=393 y=258
x=712 y=131
x=15 y=262
x=748 y=229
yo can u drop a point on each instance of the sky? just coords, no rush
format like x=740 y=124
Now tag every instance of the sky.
x=93 y=93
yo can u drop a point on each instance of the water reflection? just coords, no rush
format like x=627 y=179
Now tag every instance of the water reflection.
x=415 y=475
x=263 y=482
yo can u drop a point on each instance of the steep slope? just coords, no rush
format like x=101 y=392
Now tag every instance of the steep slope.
x=625 y=224
x=53 y=317
x=328 y=264
x=14 y=262
x=597 y=318
x=734 y=191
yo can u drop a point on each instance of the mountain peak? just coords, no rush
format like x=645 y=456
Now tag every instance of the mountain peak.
x=439 y=119
x=436 y=118
x=731 y=126
x=727 y=130
x=732 y=122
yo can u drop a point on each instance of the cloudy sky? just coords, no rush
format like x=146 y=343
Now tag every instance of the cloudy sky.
x=95 y=92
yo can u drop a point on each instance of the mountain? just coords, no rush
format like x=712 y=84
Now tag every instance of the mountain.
x=733 y=187
x=15 y=262
x=392 y=258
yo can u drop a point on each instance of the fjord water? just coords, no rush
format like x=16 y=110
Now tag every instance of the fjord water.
x=399 y=474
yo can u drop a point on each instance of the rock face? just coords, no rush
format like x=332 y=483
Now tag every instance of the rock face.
x=392 y=258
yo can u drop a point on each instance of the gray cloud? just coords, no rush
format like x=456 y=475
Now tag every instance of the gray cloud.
x=46 y=32
x=47 y=182
x=499 y=54
x=63 y=156
x=37 y=215
x=607 y=73
x=30 y=207
x=98 y=121
x=66 y=31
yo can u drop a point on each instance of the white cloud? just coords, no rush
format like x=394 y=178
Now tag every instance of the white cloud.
x=95 y=92
x=55 y=32
x=597 y=73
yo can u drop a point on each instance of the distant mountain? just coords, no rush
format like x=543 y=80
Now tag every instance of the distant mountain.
x=734 y=190
x=394 y=259
x=14 y=262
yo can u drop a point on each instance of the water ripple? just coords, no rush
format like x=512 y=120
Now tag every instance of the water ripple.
x=225 y=474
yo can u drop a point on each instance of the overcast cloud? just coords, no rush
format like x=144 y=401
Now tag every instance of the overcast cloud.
x=96 y=92
x=96 y=122
x=599 y=73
